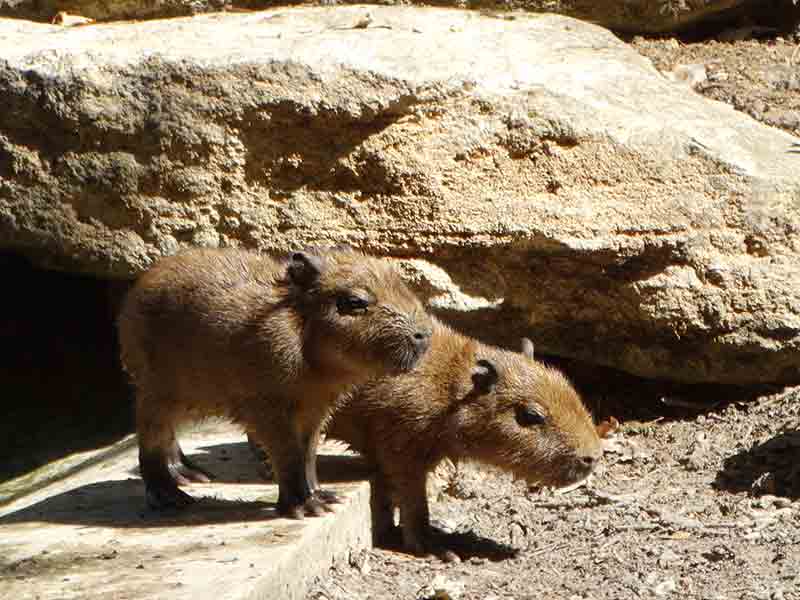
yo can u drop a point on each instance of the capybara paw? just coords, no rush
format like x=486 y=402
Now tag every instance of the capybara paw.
x=190 y=474
x=314 y=507
x=165 y=497
x=416 y=546
x=448 y=556
x=431 y=550
x=294 y=511
x=328 y=497
x=430 y=544
x=311 y=507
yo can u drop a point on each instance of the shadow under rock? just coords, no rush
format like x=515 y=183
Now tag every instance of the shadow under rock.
x=771 y=468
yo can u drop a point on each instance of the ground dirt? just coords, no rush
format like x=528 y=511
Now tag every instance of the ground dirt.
x=687 y=503
x=760 y=77
x=698 y=507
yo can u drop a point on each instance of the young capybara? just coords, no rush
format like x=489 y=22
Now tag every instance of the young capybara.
x=464 y=400
x=268 y=344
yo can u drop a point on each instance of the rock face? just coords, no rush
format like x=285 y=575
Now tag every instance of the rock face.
x=536 y=176
x=632 y=16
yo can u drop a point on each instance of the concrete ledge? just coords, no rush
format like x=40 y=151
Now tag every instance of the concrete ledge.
x=89 y=534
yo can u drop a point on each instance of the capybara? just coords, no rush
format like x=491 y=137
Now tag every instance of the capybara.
x=464 y=400
x=267 y=343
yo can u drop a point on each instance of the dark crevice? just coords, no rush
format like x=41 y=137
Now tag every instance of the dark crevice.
x=763 y=18
x=63 y=387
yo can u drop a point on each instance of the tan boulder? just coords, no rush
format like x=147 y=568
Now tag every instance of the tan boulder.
x=538 y=175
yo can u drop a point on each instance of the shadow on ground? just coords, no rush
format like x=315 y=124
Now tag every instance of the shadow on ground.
x=120 y=503
x=466 y=545
x=772 y=467
x=237 y=463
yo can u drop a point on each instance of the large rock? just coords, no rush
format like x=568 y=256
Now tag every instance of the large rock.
x=536 y=175
x=632 y=16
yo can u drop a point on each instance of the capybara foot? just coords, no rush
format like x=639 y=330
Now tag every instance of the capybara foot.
x=431 y=547
x=429 y=542
x=311 y=507
x=183 y=475
x=186 y=471
x=328 y=497
x=161 y=497
x=162 y=473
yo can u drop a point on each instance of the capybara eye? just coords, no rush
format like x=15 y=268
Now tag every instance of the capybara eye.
x=528 y=417
x=351 y=305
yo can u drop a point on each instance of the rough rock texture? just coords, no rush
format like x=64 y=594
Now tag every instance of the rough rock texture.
x=541 y=177
x=633 y=16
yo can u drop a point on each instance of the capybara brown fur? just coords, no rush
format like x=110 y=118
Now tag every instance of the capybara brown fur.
x=464 y=400
x=267 y=343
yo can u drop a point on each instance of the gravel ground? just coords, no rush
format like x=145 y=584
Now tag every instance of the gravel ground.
x=758 y=77
x=703 y=507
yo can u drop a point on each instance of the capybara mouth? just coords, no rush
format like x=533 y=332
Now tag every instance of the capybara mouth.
x=566 y=475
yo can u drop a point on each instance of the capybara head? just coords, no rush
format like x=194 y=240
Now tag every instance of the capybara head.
x=360 y=317
x=526 y=418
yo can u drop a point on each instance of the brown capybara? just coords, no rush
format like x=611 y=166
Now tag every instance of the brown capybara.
x=268 y=344
x=464 y=400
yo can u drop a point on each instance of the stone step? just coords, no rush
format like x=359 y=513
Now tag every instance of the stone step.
x=87 y=533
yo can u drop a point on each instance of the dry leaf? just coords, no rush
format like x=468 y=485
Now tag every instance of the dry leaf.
x=607 y=427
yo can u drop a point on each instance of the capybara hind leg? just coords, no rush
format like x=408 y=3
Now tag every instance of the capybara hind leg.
x=159 y=456
x=183 y=470
x=161 y=486
x=295 y=498
x=381 y=507
x=414 y=515
x=189 y=470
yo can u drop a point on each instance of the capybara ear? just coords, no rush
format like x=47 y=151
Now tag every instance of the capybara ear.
x=527 y=347
x=304 y=269
x=484 y=376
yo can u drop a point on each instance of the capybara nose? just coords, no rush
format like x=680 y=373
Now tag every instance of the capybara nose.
x=422 y=339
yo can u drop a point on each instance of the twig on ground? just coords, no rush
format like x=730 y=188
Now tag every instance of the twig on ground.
x=571 y=488
x=551 y=548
